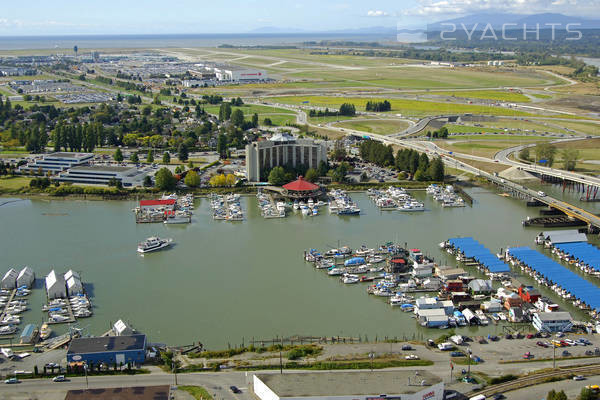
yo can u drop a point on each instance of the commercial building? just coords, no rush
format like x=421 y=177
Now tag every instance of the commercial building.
x=57 y=162
x=301 y=189
x=129 y=393
x=109 y=350
x=157 y=205
x=282 y=150
x=378 y=385
x=560 y=321
x=102 y=175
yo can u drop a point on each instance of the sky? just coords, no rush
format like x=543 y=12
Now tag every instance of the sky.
x=74 y=17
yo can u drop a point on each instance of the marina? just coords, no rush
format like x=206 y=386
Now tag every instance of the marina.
x=340 y=203
x=395 y=198
x=282 y=275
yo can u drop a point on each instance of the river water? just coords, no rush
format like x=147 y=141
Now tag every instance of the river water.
x=223 y=282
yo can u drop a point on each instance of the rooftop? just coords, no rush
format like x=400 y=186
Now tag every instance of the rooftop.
x=99 y=168
x=554 y=316
x=68 y=155
x=107 y=343
x=130 y=393
x=347 y=383
x=300 y=185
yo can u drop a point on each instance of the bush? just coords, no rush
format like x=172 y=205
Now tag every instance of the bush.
x=503 y=378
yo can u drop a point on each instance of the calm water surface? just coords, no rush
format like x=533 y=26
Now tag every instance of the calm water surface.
x=223 y=281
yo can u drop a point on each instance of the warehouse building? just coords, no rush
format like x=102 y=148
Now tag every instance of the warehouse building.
x=379 y=385
x=282 y=150
x=26 y=277
x=73 y=282
x=102 y=175
x=560 y=321
x=109 y=350
x=235 y=73
x=57 y=162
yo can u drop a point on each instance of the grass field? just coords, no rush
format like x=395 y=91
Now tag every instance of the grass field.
x=512 y=125
x=198 y=392
x=381 y=126
x=481 y=148
x=485 y=166
x=405 y=107
x=13 y=183
x=499 y=95
x=541 y=96
x=589 y=150
x=588 y=128
x=491 y=137
x=278 y=116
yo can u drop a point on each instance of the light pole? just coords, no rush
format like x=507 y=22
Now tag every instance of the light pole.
x=371 y=356
x=85 y=367
x=469 y=367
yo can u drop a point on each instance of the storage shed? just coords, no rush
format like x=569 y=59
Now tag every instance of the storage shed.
x=26 y=277
x=9 y=281
x=55 y=286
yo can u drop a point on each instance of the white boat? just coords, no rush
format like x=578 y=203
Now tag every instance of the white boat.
x=178 y=218
x=350 y=279
x=153 y=244
x=8 y=330
x=335 y=271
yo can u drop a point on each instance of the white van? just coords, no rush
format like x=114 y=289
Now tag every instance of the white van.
x=478 y=397
x=445 y=346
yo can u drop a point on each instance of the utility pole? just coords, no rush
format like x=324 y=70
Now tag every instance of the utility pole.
x=371 y=356
x=469 y=367
x=553 y=355
x=85 y=367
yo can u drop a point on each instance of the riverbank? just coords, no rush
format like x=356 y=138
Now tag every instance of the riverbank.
x=111 y=193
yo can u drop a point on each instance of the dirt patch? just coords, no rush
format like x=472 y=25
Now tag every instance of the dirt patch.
x=585 y=103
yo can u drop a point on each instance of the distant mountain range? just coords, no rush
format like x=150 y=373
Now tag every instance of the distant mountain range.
x=496 y=20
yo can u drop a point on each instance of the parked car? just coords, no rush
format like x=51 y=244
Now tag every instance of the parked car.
x=589 y=353
x=527 y=355
x=530 y=336
x=566 y=353
x=234 y=389
x=457 y=354
x=59 y=378
x=412 y=357
x=430 y=342
x=406 y=347
x=541 y=344
x=11 y=380
x=578 y=378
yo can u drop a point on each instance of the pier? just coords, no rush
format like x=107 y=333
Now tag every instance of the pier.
x=10 y=298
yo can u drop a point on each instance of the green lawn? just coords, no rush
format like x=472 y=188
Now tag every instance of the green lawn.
x=197 y=392
x=249 y=109
x=405 y=107
x=276 y=119
x=482 y=148
x=13 y=183
x=499 y=95
x=382 y=126
x=541 y=96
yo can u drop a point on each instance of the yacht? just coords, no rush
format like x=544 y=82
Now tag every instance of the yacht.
x=8 y=330
x=350 y=279
x=153 y=244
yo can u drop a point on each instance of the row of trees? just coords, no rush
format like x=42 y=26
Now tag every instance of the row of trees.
x=379 y=106
x=441 y=133
x=545 y=153
x=346 y=109
x=377 y=153
x=77 y=137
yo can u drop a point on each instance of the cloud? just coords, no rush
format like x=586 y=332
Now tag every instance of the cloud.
x=436 y=8
x=377 y=13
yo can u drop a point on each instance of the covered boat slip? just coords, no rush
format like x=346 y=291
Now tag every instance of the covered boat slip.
x=580 y=288
x=471 y=248
x=584 y=252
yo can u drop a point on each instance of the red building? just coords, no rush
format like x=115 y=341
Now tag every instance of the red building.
x=454 y=286
x=301 y=189
x=528 y=294
x=147 y=205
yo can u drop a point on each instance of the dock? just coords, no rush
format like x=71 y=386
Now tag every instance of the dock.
x=69 y=312
x=553 y=221
x=10 y=298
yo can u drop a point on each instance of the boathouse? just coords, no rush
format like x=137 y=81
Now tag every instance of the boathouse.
x=301 y=189
x=26 y=277
x=560 y=321
x=55 y=286
x=9 y=281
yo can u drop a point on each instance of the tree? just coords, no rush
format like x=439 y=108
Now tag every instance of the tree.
x=255 y=120
x=147 y=181
x=134 y=158
x=237 y=117
x=166 y=158
x=267 y=121
x=164 y=179
x=150 y=157
x=156 y=100
x=192 y=179
x=277 y=176
x=222 y=145
x=545 y=151
x=348 y=110
x=190 y=164
x=339 y=151
x=570 y=158
x=118 y=156
x=586 y=394
x=322 y=168
x=436 y=170
x=225 y=112
x=182 y=153
x=524 y=154
x=311 y=175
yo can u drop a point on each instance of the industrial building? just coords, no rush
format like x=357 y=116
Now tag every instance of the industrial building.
x=390 y=385
x=282 y=150
x=129 y=393
x=57 y=162
x=102 y=175
x=109 y=350
x=73 y=282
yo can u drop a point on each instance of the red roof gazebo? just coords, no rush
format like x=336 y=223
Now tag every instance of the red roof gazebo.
x=300 y=189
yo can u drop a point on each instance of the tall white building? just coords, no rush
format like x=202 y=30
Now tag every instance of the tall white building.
x=282 y=150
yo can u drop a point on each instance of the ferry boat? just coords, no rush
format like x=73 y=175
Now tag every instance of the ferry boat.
x=153 y=244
